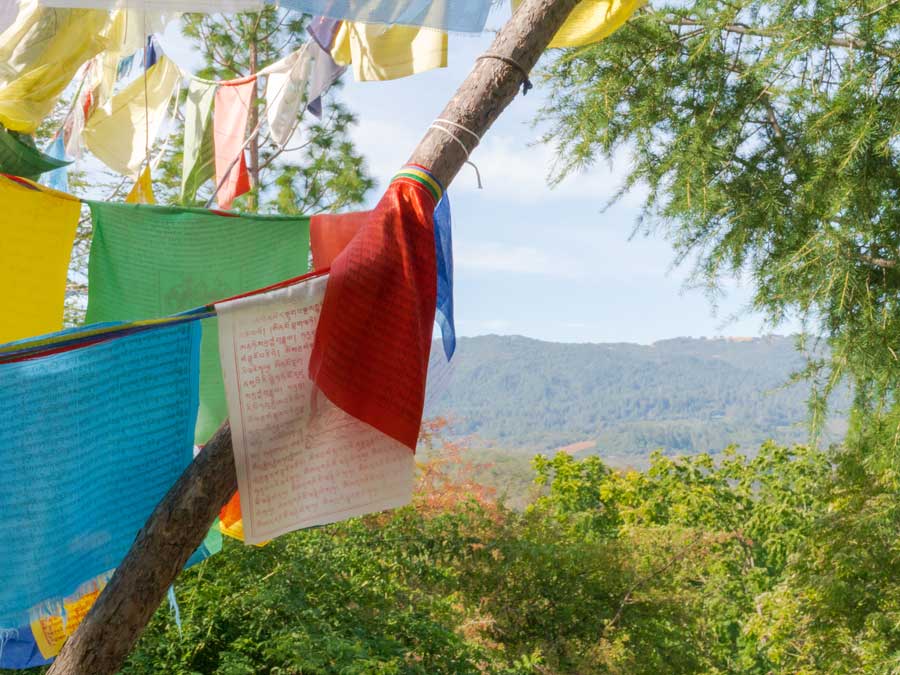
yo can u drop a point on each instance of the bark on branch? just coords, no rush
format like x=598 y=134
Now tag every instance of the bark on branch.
x=180 y=522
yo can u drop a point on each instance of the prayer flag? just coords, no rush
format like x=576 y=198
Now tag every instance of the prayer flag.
x=323 y=30
x=285 y=89
x=58 y=178
x=323 y=73
x=153 y=261
x=300 y=460
x=592 y=21
x=142 y=192
x=330 y=233
x=38 y=233
x=198 y=166
x=91 y=441
x=233 y=101
x=8 y=13
x=460 y=16
x=379 y=53
x=443 y=243
x=19 y=157
x=20 y=650
x=39 y=55
x=373 y=339
x=120 y=132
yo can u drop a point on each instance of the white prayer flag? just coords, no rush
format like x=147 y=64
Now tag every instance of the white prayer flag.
x=301 y=461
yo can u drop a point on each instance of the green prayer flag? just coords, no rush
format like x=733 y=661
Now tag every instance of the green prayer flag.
x=19 y=157
x=198 y=164
x=152 y=261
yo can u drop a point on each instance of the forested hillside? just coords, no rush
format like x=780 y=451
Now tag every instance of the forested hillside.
x=681 y=395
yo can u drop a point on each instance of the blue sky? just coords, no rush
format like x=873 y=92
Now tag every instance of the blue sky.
x=530 y=260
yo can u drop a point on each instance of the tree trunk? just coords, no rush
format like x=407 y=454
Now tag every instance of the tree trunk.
x=180 y=522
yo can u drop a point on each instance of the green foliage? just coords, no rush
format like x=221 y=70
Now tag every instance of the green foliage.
x=764 y=134
x=680 y=395
x=783 y=563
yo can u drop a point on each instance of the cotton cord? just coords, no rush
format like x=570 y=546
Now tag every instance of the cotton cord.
x=459 y=142
x=460 y=126
x=526 y=82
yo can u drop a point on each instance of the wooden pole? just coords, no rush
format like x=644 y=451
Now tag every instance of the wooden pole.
x=180 y=522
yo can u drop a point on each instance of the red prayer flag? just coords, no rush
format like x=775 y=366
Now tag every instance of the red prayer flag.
x=370 y=355
x=330 y=233
x=232 y=105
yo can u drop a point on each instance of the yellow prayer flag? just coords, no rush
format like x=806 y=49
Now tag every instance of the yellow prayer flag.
x=142 y=192
x=592 y=21
x=380 y=52
x=38 y=233
x=51 y=631
x=118 y=133
x=40 y=55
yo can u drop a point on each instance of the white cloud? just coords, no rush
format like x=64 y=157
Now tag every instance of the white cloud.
x=511 y=167
x=492 y=256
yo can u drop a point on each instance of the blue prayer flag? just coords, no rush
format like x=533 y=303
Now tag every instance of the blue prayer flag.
x=58 y=179
x=444 y=249
x=461 y=16
x=92 y=439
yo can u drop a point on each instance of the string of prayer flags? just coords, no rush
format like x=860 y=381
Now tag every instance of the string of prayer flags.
x=198 y=164
x=330 y=233
x=142 y=192
x=232 y=106
x=379 y=53
x=154 y=261
x=460 y=16
x=38 y=234
x=301 y=461
x=19 y=157
x=373 y=340
x=39 y=55
x=592 y=21
x=120 y=133
x=119 y=416
x=126 y=35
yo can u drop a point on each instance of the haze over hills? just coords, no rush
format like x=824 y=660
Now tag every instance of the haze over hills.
x=683 y=395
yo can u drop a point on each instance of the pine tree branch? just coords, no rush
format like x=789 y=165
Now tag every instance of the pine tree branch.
x=743 y=29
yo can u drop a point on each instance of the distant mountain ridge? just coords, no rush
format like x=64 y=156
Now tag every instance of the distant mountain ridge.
x=681 y=395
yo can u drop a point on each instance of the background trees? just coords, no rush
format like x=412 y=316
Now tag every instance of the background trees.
x=319 y=170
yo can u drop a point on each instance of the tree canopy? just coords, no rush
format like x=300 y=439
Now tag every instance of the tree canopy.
x=765 y=135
